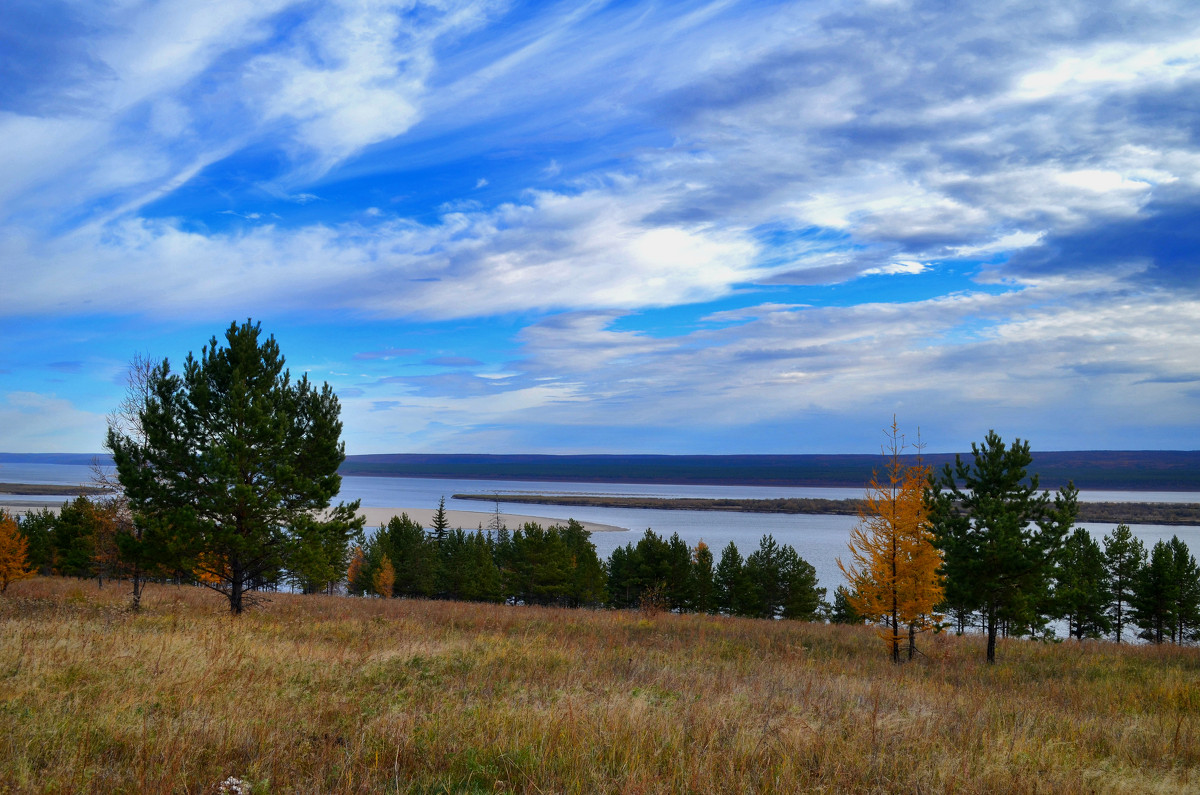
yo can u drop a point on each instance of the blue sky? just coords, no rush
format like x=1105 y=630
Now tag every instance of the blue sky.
x=614 y=227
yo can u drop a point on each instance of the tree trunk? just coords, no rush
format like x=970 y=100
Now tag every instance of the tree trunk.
x=991 y=628
x=137 y=590
x=236 y=587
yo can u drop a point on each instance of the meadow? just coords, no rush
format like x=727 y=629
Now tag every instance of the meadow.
x=339 y=694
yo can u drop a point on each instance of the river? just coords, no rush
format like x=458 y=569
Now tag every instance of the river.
x=819 y=539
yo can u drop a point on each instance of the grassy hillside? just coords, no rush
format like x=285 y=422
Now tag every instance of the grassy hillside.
x=331 y=694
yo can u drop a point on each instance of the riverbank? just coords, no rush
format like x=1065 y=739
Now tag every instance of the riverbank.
x=1155 y=513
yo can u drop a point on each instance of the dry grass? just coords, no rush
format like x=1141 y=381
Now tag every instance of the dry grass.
x=328 y=694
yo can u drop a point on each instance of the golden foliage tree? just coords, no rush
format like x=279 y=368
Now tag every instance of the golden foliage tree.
x=384 y=579
x=354 y=572
x=14 y=552
x=893 y=573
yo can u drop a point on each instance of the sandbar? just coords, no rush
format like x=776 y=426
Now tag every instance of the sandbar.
x=471 y=520
x=467 y=520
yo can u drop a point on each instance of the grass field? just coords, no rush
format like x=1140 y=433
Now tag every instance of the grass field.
x=332 y=694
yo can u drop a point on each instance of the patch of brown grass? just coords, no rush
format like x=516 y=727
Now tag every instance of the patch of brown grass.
x=334 y=694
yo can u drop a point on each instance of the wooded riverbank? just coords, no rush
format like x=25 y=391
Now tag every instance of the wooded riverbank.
x=1098 y=512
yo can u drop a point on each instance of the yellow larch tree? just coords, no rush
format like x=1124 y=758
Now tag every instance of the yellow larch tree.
x=14 y=552
x=354 y=572
x=384 y=579
x=893 y=574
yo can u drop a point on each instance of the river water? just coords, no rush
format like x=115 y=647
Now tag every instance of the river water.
x=818 y=539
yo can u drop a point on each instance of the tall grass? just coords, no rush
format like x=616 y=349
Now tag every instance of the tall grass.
x=334 y=694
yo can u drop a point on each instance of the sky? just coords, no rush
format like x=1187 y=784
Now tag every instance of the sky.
x=589 y=227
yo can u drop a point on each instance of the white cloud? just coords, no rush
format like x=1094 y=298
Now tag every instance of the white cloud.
x=905 y=267
x=47 y=423
x=590 y=250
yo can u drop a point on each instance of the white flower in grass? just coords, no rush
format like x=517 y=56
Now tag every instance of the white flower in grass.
x=234 y=786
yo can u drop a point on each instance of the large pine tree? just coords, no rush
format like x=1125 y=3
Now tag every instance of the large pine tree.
x=1124 y=556
x=233 y=453
x=1081 y=587
x=999 y=537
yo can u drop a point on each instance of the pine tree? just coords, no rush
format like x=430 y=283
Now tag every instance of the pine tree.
x=1081 y=588
x=803 y=600
x=735 y=590
x=233 y=452
x=413 y=554
x=703 y=586
x=1124 y=557
x=843 y=611
x=440 y=525
x=1156 y=594
x=893 y=575
x=38 y=529
x=14 y=559
x=1187 y=598
x=1000 y=539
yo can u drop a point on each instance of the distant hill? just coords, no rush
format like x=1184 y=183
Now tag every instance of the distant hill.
x=1113 y=470
x=77 y=459
x=1144 y=470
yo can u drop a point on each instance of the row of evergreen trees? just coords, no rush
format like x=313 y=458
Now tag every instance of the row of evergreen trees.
x=559 y=565
x=531 y=565
x=96 y=538
x=1097 y=590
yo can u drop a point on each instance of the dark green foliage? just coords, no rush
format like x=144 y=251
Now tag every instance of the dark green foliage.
x=1187 y=598
x=440 y=525
x=734 y=590
x=703 y=585
x=1081 y=593
x=999 y=536
x=554 y=565
x=414 y=556
x=320 y=550
x=635 y=571
x=623 y=590
x=767 y=573
x=678 y=586
x=1155 y=594
x=38 y=529
x=466 y=568
x=540 y=569
x=803 y=600
x=1124 y=557
x=1166 y=594
x=230 y=454
x=587 y=581
x=73 y=539
x=779 y=583
x=843 y=611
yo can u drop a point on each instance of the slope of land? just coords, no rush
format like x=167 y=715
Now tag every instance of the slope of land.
x=1161 y=513
x=1152 y=470
x=47 y=489
x=342 y=695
